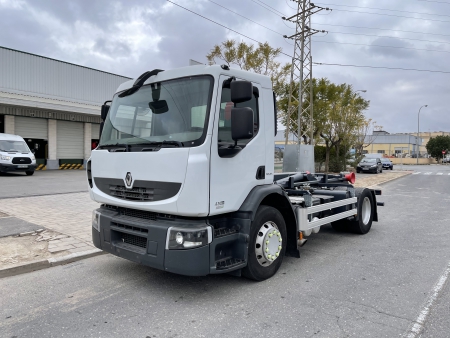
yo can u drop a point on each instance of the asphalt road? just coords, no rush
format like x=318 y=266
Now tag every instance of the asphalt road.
x=46 y=182
x=344 y=285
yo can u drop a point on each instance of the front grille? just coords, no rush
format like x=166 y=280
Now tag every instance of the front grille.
x=21 y=160
x=129 y=227
x=141 y=214
x=134 y=240
x=134 y=194
x=151 y=216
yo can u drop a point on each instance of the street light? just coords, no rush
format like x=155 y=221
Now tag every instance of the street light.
x=418 y=114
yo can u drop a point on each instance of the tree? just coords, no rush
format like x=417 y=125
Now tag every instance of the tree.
x=363 y=138
x=344 y=117
x=436 y=144
x=260 y=60
x=321 y=98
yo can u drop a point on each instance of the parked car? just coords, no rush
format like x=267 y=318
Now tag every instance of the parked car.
x=15 y=156
x=387 y=164
x=370 y=165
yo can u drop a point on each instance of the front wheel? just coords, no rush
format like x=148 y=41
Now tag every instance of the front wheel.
x=29 y=173
x=267 y=244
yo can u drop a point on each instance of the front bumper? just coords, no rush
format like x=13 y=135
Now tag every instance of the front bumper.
x=144 y=241
x=367 y=169
x=5 y=167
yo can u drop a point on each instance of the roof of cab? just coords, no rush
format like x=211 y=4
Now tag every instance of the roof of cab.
x=214 y=70
x=10 y=137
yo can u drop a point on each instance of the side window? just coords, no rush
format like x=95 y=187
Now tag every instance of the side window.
x=224 y=135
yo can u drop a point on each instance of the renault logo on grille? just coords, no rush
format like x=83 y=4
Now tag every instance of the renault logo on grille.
x=128 y=179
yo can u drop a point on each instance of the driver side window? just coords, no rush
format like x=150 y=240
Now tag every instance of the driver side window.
x=224 y=135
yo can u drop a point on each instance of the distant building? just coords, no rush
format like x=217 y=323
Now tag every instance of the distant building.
x=53 y=105
x=382 y=142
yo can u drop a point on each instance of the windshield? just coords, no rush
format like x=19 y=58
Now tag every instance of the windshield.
x=369 y=160
x=14 y=146
x=173 y=111
x=385 y=160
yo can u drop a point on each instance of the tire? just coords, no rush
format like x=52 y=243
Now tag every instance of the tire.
x=266 y=221
x=381 y=170
x=358 y=171
x=29 y=173
x=365 y=212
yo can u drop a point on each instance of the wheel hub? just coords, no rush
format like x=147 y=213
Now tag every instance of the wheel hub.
x=268 y=244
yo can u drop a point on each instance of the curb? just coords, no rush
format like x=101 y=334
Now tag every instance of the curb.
x=50 y=262
x=391 y=179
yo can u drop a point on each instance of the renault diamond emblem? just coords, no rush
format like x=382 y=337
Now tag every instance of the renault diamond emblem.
x=128 y=179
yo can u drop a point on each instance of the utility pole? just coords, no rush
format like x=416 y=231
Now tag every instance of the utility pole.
x=301 y=73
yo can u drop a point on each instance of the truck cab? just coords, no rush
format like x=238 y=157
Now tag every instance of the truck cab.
x=185 y=167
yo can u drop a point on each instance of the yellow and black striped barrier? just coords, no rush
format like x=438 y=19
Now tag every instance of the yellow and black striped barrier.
x=68 y=166
x=41 y=167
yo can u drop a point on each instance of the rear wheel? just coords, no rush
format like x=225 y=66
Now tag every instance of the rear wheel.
x=29 y=173
x=365 y=212
x=365 y=209
x=267 y=244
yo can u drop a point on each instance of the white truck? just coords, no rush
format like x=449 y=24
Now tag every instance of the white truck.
x=184 y=172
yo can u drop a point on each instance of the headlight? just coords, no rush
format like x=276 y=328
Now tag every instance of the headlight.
x=33 y=158
x=5 y=158
x=373 y=166
x=96 y=220
x=188 y=238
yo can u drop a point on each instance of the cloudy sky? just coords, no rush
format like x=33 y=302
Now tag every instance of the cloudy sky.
x=129 y=37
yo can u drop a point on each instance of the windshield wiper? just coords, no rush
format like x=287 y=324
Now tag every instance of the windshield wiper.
x=112 y=146
x=161 y=144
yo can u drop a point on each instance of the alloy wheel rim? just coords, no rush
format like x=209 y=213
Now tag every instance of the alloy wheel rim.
x=268 y=244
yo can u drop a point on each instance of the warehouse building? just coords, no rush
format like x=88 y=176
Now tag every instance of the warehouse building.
x=53 y=105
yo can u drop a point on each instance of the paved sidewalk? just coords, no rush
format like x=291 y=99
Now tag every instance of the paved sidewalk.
x=68 y=214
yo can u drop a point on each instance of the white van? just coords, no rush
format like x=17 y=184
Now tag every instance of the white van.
x=15 y=155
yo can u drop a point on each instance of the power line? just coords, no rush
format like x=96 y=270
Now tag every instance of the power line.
x=385 y=9
x=271 y=7
x=316 y=63
x=245 y=17
x=281 y=52
x=382 y=29
x=383 y=46
x=259 y=4
x=377 y=67
x=388 y=36
x=381 y=36
x=441 y=2
x=397 y=16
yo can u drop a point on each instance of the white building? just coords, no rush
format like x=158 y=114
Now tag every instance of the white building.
x=53 y=105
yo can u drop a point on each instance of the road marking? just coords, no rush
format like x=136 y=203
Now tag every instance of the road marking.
x=420 y=321
x=418 y=172
x=439 y=173
x=428 y=173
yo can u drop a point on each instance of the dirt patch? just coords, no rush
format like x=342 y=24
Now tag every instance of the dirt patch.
x=371 y=181
x=19 y=250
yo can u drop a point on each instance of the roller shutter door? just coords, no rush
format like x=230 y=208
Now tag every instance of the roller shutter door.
x=70 y=142
x=29 y=127
x=95 y=131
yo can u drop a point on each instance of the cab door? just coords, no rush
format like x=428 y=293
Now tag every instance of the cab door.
x=235 y=171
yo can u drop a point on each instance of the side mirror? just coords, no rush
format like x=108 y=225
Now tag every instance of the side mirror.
x=102 y=124
x=241 y=123
x=241 y=91
x=104 y=113
x=159 y=107
x=33 y=151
